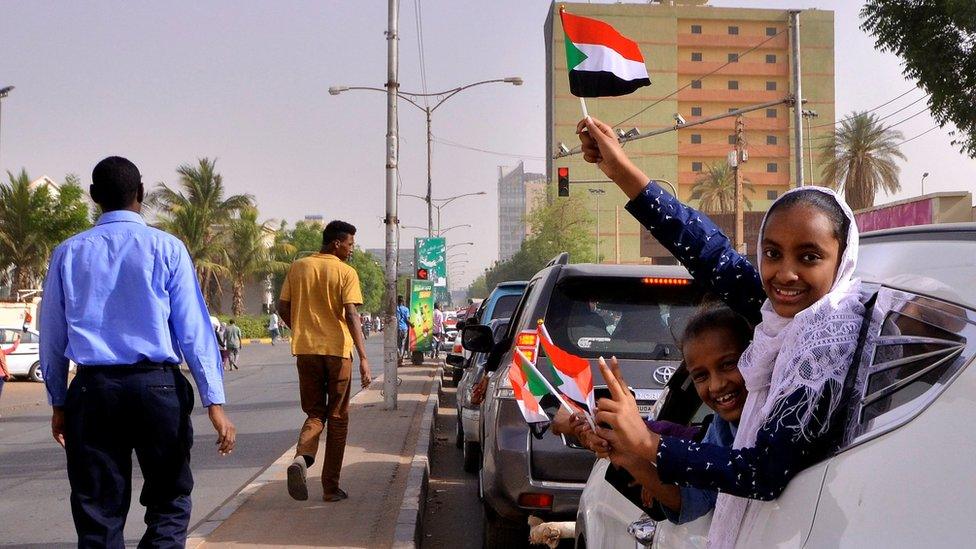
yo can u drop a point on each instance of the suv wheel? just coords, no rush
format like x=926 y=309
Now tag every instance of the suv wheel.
x=35 y=373
x=472 y=456
x=501 y=532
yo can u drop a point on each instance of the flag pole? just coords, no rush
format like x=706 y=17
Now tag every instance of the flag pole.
x=552 y=389
x=583 y=106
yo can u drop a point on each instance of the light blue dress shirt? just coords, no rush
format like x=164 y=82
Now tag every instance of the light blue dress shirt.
x=121 y=293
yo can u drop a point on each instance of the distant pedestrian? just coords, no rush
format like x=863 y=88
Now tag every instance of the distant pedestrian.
x=438 y=331
x=4 y=374
x=222 y=344
x=232 y=337
x=273 y=329
x=403 y=328
x=122 y=301
x=318 y=302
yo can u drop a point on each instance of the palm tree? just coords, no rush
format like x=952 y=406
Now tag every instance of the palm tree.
x=860 y=158
x=715 y=189
x=250 y=254
x=199 y=214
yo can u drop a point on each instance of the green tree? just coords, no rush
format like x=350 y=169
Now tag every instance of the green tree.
x=370 y=280
x=936 y=40
x=32 y=222
x=715 y=189
x=860 y=159
x=250 y=254
x=198 y=213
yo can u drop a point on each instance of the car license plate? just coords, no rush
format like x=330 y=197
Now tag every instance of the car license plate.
x=647 y=394
x=644 y=408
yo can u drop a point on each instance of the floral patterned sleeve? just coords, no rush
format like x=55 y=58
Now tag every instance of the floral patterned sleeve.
x=698 y=243
x=760 y=472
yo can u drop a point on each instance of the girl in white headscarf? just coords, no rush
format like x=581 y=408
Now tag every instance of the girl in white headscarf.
x=794 y=369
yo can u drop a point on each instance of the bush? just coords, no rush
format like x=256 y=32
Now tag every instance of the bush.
x=253 y=326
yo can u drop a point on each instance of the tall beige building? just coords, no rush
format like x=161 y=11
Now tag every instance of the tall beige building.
x=702 y=61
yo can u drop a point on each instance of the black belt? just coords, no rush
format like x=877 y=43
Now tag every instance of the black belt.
x=142 y=365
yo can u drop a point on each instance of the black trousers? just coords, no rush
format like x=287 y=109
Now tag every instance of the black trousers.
x=109 y=413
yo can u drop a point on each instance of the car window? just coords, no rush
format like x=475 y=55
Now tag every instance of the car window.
x=28 y=337
x=946 y=264
x=626 y=317
x=7 y=337
x=504 y=307
x=919 y=345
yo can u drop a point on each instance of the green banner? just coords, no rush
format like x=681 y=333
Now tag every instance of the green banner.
x=431 y=254
x=421 y=315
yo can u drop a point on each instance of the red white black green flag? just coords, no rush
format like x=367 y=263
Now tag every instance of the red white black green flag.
x=601 y=61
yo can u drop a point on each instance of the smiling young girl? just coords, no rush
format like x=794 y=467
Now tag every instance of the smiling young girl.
x=795 y=367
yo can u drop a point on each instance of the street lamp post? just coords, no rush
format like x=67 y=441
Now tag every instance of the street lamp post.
x=414 y=99
x=809 y=114
x=598 y=193
x=459 y=244
x=441 y=233
x=924 y=175
x=3 y=93
x=443 y=202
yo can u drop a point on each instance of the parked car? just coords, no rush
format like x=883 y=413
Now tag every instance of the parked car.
x=468 y=413
x=499 y=304
x=25 y=361
x=631 y=311
x=905 y=441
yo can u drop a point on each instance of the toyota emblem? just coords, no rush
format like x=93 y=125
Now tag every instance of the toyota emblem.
x=663 y=373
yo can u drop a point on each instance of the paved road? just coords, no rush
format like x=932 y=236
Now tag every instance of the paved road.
x=263 y=404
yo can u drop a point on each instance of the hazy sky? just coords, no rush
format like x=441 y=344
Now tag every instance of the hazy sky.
x=246 y=82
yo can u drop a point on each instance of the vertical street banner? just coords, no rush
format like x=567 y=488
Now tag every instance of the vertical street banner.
x=421 y=315
x=431 y=255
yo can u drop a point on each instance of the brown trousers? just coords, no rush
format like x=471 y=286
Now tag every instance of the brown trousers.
x=324 y=384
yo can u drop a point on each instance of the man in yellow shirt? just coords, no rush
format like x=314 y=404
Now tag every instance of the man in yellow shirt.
x=318 y=302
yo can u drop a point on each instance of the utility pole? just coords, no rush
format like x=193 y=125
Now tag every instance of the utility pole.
x=736 y=159
x=616 y=216
x=390 y=358
x=798 y=95
x=808 y=114
x=598 y=193
x=430 y=205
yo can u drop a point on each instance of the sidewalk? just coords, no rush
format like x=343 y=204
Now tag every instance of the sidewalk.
x=384 y=472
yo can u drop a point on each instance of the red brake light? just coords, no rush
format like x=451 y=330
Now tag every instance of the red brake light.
x=535 y=501
x=526 y=339
x=662 y=281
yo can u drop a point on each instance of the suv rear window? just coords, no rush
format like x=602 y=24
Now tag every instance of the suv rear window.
x=504 y=307
x=625 y=317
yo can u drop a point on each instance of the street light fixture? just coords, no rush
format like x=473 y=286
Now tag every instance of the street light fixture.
x=4 y=91
x=414 y=99
x=443 y=202
x=924 y=175
x=459 y=244
x=809 y=114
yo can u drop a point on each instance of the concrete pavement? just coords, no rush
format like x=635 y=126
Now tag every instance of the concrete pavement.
x=384 y=473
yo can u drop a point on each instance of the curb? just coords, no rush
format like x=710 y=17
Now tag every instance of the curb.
x=211 y=522
x=408 y=525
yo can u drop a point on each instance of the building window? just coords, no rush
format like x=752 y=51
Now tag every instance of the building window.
x=733 y=84
x=771 y=58
x=696 y=111
x=772 y=167
x=732 y=139
x=770 y=139
x=772 y=195
x=733 y=30
x=771 y=86
x=770 y=31
x=696 y=56
x=770 y=113
x=733 y=58
x=696 y=29
x=696 y=138
x=696 y=166
x=696 y=84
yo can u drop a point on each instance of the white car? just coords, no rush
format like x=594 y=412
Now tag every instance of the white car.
x=903 y=473
x=25 y=361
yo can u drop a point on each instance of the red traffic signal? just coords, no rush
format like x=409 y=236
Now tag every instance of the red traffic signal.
x=422 y=273
x=563 y=186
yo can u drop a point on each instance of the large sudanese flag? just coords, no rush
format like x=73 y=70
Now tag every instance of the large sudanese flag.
x=601 y=61
x=535 y=400
x=572 y=374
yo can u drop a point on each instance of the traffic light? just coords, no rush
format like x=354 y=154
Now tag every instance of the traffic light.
x=422 y=273
x=563 y=181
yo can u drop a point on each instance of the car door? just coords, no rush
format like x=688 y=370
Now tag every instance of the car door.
x=20 y=360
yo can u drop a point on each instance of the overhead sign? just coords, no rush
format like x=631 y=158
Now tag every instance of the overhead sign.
x=421 y=315
x=431 y=257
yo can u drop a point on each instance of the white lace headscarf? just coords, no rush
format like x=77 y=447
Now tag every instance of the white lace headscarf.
x=810 y=352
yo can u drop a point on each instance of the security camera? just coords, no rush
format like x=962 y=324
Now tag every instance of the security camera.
x=620 y=133
x=679 y=120
x=563 y=148
x=633 y=132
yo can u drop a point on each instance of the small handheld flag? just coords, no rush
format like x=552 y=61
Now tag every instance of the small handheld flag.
x=573 y=375
x=601 y=61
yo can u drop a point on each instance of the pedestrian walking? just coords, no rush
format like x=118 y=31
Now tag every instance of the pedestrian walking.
x=4 y=374
x=222 y=344
x=403 y=329
x=273 y=329
x=122 y=301
x=232 y=337
x=438 y=331
x=318 y=302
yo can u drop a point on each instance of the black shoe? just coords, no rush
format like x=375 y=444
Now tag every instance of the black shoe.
x=297 y=473
x=338 y=495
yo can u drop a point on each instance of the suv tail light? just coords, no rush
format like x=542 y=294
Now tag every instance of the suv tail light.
x=662 y=281
x=527 y=341
x=535 y=501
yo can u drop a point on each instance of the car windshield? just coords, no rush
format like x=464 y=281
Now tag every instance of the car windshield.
x=625 y=317
x=504 y=307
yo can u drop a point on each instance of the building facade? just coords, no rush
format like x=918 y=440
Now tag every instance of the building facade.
x=702 y=61
x=518 y=192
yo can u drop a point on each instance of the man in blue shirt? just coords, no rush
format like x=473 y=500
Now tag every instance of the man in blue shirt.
x=122 y=301
x=403 y=324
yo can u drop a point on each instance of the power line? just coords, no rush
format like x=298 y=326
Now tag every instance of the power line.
x=418 y=18
x=886 y=128
x=702 y=77
x=886 y=103
x=486 y=151
x=919 y=135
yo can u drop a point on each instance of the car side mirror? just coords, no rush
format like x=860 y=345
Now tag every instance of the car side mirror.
x=477 y=338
